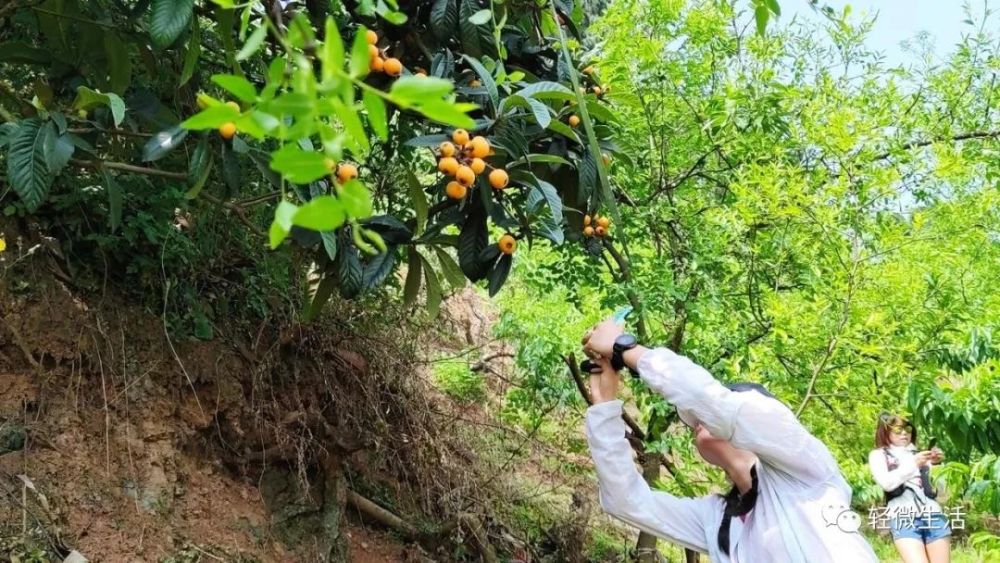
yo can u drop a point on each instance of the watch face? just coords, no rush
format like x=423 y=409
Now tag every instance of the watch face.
x=625 y=341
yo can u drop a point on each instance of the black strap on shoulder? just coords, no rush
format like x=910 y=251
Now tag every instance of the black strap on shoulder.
x=737 y=505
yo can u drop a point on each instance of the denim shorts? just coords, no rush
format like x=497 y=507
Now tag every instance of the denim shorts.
x=924 y=528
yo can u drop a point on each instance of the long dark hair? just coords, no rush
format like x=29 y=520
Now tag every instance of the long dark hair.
x=737 y=504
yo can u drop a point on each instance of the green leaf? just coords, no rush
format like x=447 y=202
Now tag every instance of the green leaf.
x=600 y=111
x=390 y=15
x=411 y=90
x=352 y=125
x=168 y=18
x=418 y=200
x=498 y=275
x=253 y=43
x=349 y=270
x=539 y=158
x=58 y=149
x=486 y=78
x=481 y=17
x=199 y=168
x=237 y=86
x=322 y=213
x=232 y=172
x=412 y=284
x=18 y=52
x=114 y=200
x=476 y=40
x=471 y=240
x=329 y=243
x=547 y=90
x=761 y=14
x=444 y=18
x=299 y=166
x=87 y=99
x=447 y=113
x=282 y=223
x=359 y=54
x=356 y=199
x=451 y=270
x=192 y=54
x=541 y=112
x=426 y=141
x=565 y=130
x=163 y=142
x=211 y=118
x=332 y=54
x=376 y=114
x=119 y=62
x=27 y=170
x=433 y=288
x=551 y=196
x=774 y=7
x=379 y=268
x=322 y=294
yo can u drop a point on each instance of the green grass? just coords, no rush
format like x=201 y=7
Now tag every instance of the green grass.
x=458 y=381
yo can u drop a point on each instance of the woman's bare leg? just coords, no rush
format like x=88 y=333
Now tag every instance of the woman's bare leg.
x=939 y=551
x=911 y=550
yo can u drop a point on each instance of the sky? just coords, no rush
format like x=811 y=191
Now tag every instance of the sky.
x=899 y=20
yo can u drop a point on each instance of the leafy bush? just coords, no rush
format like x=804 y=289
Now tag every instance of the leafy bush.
x=461 y=383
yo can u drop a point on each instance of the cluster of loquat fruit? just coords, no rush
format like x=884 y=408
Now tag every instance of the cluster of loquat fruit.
x=376 y=60
x=596 y=226
x=462 y=158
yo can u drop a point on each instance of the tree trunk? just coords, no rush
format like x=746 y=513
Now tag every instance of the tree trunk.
x=646 y=546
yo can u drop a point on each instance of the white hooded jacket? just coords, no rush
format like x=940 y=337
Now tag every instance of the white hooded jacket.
x=802 y=513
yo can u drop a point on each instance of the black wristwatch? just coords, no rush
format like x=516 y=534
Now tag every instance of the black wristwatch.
x=622 y=343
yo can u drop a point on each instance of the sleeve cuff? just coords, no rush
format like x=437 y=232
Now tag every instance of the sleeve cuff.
x=605 y=410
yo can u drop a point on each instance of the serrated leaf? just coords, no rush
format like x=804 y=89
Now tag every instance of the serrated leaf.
x=232 y=172
x=391 y=229
x=443 y=64
x=167 y=20
x=444 y=18
x=253 y=42
x=426 y=141
x=451 y=270
x=58 y=149
x=321 y=295
x=498 y=275
x=418 y=200
x=114 y=200
x=469 y=32
x=349 y=270
x=378 y=268
x=162 y=143
x=547 y=90
x=412 y=285
x=433 y=288
x=376 y=114
x=471 y=240
x=487 y=80
x=27 y=171
x=329 y=239
x=237 y=86
x=322 y=213
x=537 y=159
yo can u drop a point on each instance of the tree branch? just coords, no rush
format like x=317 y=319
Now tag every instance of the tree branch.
x=129 y=168
x=956 y=138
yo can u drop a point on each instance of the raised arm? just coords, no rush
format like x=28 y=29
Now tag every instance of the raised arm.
x=749 y=420
x=626 y=496
x=891 y=480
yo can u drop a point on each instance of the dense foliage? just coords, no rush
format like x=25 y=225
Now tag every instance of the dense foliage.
x=773 y=200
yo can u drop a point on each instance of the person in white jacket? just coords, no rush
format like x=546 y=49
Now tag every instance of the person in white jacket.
x=919 y=527
x=789 y=502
